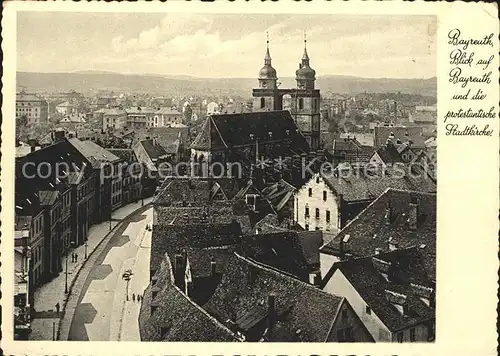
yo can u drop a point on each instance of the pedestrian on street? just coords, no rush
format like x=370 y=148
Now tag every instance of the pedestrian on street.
x=72 y=257
x=58 y=307
x=139 y=298
x=76 y=257
x=133 y=297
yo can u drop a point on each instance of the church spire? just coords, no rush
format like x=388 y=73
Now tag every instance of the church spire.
x=305 y=57
x=267 y=58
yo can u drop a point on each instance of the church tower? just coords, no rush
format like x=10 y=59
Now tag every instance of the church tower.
x=266 y=97
x=307 y=101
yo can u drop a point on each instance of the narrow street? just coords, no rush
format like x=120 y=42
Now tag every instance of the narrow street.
x=46 y=320
x=106 y=309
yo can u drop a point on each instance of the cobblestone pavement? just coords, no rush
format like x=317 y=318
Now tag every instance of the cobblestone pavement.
x=106 y=309
x=45 y=323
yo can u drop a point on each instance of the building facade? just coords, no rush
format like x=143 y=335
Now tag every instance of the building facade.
x=34 y=108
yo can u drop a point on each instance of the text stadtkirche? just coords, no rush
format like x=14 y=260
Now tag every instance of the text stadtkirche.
x=471 y=71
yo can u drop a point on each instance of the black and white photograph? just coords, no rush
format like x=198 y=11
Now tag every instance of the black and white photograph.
x=225 y=177
x=229 y=177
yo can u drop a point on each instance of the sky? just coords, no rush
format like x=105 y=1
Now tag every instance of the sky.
x=226 y=45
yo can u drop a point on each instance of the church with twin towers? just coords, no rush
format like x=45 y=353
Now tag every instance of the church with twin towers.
x=303 y=102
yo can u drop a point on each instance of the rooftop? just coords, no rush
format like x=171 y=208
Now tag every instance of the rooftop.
x=175 y=317
x=392 y=284
x=230 y=130
x=93 y=152
x=171 y=239
x=387 y=223
x=303 y=313
x=404 y=133
x=356 y=184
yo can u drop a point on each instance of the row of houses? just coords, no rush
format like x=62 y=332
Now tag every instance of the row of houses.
x=230 y=263
x=61 y=190
x=138 y=117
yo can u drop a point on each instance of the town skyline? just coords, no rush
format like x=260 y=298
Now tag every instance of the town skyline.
x=175 y=44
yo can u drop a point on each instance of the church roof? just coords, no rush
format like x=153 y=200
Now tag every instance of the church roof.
x=232 y=130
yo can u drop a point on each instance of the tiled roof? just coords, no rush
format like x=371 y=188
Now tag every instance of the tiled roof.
x=126 y=154
x=93 y=152
x=194 y=191
x=279 y=194
x=200 y=260
x=389 y=154
x=404 y=133
x=289 y=251
x=303 y=311
x=28 y=186
x=153 y=148
x=167 y=111
x=374 y=228
x=228 y=186
x=171 y=239
x=225 y=131
x=355 y=185
x=405 y=273
x=176 y=318
x=271 y=223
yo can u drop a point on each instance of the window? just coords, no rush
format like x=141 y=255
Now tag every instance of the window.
x=310 y=192
x=328 y=216
x=400 y=337
x=301 y=103
x=317 y=213
x=307 y=211
x=324 y=195
x=317 y=180
x=262 y=103
x=368 y=310
x=412 y=334
x=345 y=335
x=344 y=315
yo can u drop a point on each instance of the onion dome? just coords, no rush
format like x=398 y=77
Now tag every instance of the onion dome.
x=267 y=72
x=305 y=72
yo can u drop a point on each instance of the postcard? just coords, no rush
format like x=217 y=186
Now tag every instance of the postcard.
x=249 y=178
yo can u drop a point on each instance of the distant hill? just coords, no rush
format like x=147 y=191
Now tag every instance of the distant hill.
x=92 y=81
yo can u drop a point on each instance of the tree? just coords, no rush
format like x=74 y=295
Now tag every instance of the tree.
x=22 y=127
x=188 y=113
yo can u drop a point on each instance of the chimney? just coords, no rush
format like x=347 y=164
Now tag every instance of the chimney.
x=393 y=244
x=413 y=215
x=179 y=271
x=32 y=144
x=213 y=268
x=342 y=244
x=388 y=214
x=271 y=310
